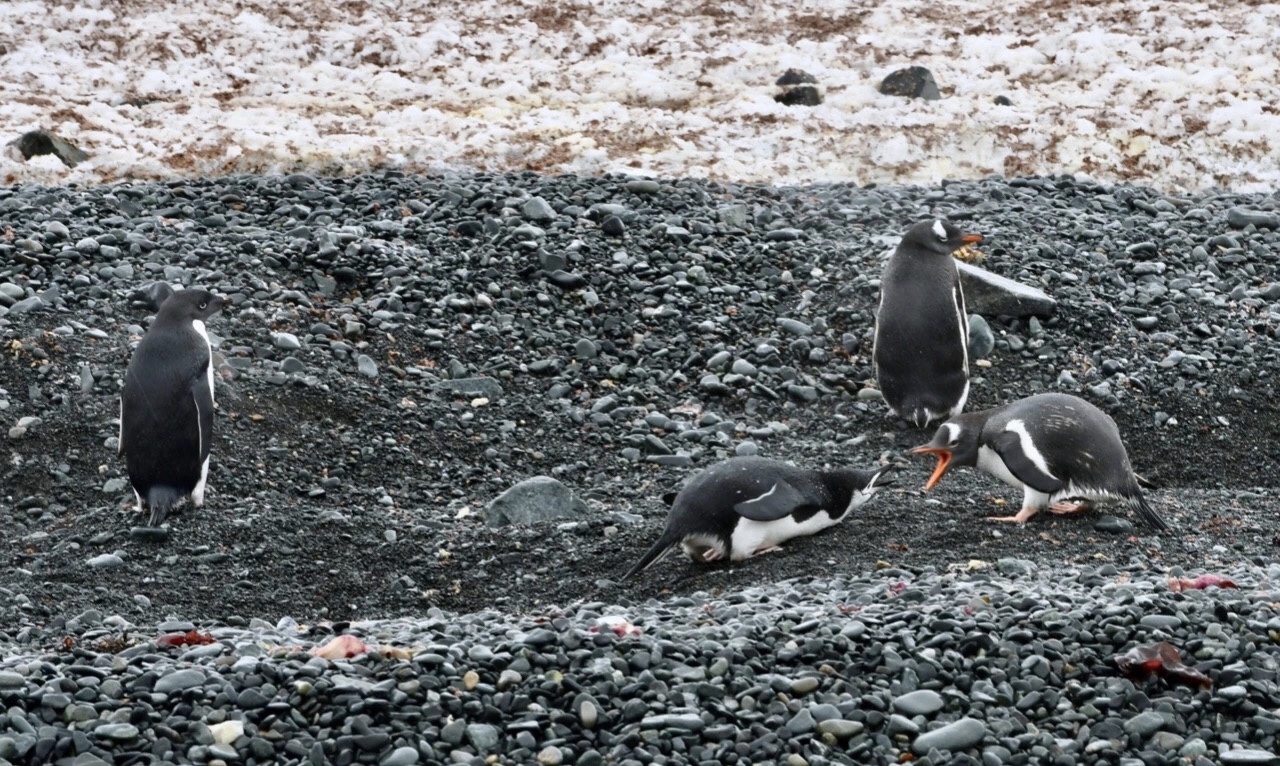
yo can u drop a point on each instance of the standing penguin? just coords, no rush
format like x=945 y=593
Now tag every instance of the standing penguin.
x=748 y=505
x=921 y=345
x=166 y=409
x=1055 y=447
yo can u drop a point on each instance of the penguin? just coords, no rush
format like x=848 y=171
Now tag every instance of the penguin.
x=1055 y=447
x=166 y=407
x=743 y=506
x=921 y=348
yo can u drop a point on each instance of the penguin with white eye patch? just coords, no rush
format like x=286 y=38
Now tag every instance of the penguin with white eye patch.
x=166 y=408
x=1055 y=447
x=921 y=349
x=744 y=506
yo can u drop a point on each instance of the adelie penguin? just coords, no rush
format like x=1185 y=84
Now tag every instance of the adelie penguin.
x=166 y=409
x=750 y=505
x=1055 y=447
x=921 y=348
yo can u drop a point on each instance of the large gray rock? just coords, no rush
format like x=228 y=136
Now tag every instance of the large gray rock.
x=34 y=143
x=541 y=498
x=990 y=294
x=912 y=82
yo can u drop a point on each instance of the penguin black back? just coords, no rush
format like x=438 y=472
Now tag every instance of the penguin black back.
x=166 y=407
x=921 y=338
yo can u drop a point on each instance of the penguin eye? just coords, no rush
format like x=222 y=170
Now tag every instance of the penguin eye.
x=204 y=305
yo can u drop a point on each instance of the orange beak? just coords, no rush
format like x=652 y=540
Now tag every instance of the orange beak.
x=971 y=239
x=944 y=462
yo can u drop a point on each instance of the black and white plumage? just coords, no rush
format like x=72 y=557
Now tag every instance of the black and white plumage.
x=921 y=348
x=1055 y=447
x=166 y=408
x=748 y=505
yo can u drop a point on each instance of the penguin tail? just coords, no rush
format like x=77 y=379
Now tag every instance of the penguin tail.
x=161 y=499
x=1147 y=512
x=656 y=553
x=916 y=416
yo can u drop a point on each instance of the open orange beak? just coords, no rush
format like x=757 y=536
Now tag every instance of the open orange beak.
x=944 y=462
x=971 y=239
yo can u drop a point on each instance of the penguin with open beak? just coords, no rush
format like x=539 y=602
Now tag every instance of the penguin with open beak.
x=1055 y=447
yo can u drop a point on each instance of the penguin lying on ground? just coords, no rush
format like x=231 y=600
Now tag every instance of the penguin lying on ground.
x=921 y=348
x=1055 y=447
x=166 y=408
x=749 y=505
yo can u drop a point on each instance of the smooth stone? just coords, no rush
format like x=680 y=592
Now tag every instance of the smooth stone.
x=106 y=561
x=921 y=702
x=401 y=756
x=179 y=680
x=121 y=732
x=487 y=387
x=1248 y=757
x=482 y=736
x=981 y=340
x=958 y=735
x=286 y=340
x=1144 y=724
x=538 y=209
x=840 y=728
x=681 y=721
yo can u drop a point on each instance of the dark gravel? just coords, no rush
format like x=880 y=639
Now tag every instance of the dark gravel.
x=400 y=350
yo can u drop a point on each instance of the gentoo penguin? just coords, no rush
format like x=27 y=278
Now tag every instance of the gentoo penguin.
x=921 y=347
x=166 y=409
x=1056 y=447
x=748 y=505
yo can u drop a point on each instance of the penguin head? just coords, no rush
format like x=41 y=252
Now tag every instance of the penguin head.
x=955 y=442
x=939 y=236
x=189 y=305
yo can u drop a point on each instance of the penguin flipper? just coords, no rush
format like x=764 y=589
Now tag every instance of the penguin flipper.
x=1008 y=445
x=203 y=396
x=780 y=501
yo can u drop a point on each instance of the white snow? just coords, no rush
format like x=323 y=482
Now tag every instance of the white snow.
x=1179 y=95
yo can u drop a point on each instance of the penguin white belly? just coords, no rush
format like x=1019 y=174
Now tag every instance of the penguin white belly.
x=750 y=536
x=989 y=461
x=203 y=332
x=197 y=494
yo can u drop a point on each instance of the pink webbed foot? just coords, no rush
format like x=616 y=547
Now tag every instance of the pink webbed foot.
x=1067 y=508
x=769 y=549
x=1020 y=518
x=711 y=554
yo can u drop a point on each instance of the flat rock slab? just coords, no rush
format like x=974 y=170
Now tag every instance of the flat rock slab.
x=990 y=294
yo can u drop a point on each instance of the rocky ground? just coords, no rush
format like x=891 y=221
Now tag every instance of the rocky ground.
x=634 y=331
